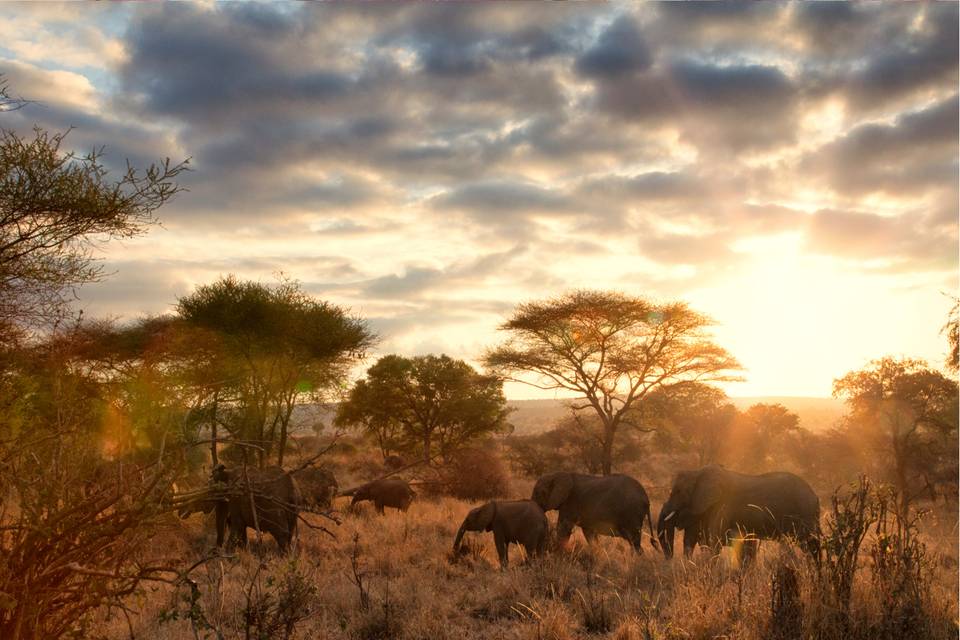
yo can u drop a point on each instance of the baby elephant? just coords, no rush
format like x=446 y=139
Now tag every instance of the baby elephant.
x=517 y=521
x=386 y=492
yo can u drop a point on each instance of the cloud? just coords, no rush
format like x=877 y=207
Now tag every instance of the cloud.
x=62 y=34
x=907 y=241
x=416 y=280
x=912 y=60
x=621 y=49
x=673 y=248
x=65 y=88
x=448 y=160
x=502 y=198
x=914 y=152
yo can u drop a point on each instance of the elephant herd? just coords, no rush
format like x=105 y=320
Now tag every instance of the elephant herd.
x=713 y=506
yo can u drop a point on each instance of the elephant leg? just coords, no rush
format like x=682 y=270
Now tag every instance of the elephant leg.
x=238 y=536
x=379 y=506
x=689 y=542
x=283 y=540
x=633 y=537
x=564 y=530
x=538 y=544
x=533 y=545
x=749 y=549
x=812 y=545
x=501 y=545
x=221 y=523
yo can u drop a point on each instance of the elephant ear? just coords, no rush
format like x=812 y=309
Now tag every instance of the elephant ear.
x=560 y=491
x=708 y=491
x=484 y=516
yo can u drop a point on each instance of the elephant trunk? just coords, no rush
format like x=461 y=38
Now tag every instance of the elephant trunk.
x=666 y=529
x=459 y=538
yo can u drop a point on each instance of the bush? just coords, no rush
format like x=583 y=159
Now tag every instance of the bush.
x=474 y=474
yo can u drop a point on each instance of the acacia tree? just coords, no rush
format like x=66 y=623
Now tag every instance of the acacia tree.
x=438 y=403
x=283 y=345
x=611 y=350
x=906 y=413
x=52 y=205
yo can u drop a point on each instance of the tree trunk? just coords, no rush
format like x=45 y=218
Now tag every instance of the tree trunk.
x=609 y=431
x=213 y=433
x=900 y=464
x=426 y=446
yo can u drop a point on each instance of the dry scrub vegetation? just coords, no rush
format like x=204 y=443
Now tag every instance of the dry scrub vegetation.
x=394 y=576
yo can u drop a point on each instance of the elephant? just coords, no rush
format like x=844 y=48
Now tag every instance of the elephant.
x=601 y=505
x=318 y=486
x=519 y=521
x=715 y=506
x=269 y=498
x=386 y=492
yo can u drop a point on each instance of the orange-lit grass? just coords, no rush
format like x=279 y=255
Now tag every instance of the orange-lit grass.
x=418 y=590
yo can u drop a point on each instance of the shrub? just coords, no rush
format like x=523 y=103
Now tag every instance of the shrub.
x=474 y=474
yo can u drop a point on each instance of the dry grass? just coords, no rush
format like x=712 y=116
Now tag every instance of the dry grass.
x=417 y=589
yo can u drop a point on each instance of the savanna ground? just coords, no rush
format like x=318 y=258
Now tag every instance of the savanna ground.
x=395 y=576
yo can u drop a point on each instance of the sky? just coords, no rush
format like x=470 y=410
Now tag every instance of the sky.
x=789 y=169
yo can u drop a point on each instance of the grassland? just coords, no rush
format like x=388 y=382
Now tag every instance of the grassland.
x=411 y=586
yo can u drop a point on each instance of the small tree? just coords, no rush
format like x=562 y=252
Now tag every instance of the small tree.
x=282 y=345
x=907 y=414
x=693 y=417
x=611 y=349
x=439 y=403
x=760 y=436
x=365 y=407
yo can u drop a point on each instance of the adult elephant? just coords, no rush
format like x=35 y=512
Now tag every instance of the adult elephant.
x=268 y=499
x=613 y=505
x=386 y=492
x=715 y=506
x=520 y=521
x=318 y=486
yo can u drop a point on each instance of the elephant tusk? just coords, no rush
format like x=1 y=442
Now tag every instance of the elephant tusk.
x=672 y=513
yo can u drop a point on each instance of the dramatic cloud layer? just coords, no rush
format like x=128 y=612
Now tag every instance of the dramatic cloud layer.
x=431 y=165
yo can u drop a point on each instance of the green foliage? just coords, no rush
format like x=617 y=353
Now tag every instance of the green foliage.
x=276 y=346
x=427 y=404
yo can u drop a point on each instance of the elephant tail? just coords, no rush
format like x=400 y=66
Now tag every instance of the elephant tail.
x=653 y=538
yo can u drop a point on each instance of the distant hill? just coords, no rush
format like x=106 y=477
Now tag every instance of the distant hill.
x=816 y=414
x=534 y=416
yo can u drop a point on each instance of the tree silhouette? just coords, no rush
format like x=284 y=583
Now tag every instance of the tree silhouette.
x=282 y=346
x=431 y=404
x=611 y=350
x=907 y=414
